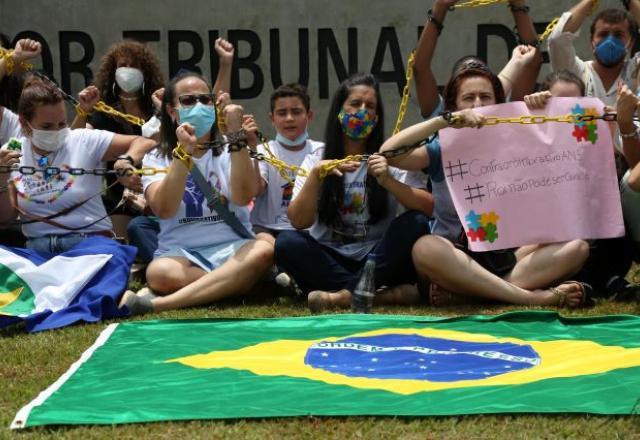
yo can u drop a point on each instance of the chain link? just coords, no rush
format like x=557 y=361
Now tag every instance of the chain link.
x=7 y=56
x=550 y=27
x=55 y=171
x=101 y=106
x=531 y=119
x=284 y=169
x=477 y=3
x=404 y=102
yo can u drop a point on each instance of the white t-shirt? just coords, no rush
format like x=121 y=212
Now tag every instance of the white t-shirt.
x=45 y=196
x=562 y=55
x=270 y=209
x=194 y=224
x=360 y=238
x=9 y=126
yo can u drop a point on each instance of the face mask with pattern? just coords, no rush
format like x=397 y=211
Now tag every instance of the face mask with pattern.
x=358 y=125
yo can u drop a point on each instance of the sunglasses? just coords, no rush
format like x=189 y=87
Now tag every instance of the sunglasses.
x=190 y=100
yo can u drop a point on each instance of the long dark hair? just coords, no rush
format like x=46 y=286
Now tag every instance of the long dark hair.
x=168 y=139
x=332 y=190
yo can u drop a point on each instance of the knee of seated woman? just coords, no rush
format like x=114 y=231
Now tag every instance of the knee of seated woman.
x=167 y=277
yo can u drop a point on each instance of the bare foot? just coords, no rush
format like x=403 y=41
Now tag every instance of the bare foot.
x=320 y=300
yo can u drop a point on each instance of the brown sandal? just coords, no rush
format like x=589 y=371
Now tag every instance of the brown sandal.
x=585 y=297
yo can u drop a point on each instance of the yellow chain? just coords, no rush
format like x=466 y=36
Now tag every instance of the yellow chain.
x=283 y=168
x=594 y=6
x=102 y=107
x=529 y=119
x=9 y=62
x=404 y=102
x=550 y=27
x=150 y=171
x=478 y=3
x=328 y=167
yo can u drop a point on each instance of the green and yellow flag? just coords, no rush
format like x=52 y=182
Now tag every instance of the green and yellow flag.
x=348 y=365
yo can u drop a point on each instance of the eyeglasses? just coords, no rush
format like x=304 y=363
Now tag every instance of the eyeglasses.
x=189 y=100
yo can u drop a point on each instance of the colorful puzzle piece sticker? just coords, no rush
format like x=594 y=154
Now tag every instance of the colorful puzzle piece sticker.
x=476 y=234
x=473 y=220
x=489 y=218
x=482 y=227
x=578 y=110
x=491 y=232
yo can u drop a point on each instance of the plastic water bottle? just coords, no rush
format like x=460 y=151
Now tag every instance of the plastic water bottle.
x=362 y=298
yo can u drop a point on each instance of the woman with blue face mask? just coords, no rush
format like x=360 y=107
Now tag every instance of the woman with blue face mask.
x=201 y=256
x=352 y=211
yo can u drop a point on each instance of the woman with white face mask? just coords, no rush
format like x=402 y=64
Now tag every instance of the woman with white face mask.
x=60 y=209
x=127 y=78
x=128 y=75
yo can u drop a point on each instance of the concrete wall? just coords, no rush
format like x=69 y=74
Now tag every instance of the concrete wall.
x=315 y=42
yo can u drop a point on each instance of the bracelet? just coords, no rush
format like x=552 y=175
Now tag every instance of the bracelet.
x=232 y=148
x=236 y=140
x=184 y=157
x=514 y=8
x=127 y=158
x=434 y=20
x=632 y=135
x=447 y=116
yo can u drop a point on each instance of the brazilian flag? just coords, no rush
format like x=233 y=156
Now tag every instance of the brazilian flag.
x=340 y=365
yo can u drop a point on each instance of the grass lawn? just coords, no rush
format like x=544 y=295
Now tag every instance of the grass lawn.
x=30 y=363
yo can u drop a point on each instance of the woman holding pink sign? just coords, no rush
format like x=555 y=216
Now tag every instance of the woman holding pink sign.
x=519 y=276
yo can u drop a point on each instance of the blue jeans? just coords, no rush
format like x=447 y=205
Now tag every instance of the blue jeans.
x=143 y=233
x=56 y=244
x=315 y=266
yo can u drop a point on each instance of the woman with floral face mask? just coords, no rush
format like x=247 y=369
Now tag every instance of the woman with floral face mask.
x=352 y=212
x=64 y=205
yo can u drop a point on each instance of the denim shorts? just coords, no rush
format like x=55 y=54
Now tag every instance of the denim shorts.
x=57 y=244
x=207 y=258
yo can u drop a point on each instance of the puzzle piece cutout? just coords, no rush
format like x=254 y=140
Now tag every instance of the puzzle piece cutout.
x=581 y=133
x=491 y=231
x=578 y=110
x=489 y=218
x=591 y=112
x=473 y=220
x=476 y=234
x=592 y=133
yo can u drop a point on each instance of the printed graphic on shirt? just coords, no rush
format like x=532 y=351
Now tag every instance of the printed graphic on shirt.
x=353 y=213
x=195 y=201
x=40 y=189
x=287 y=194
x=192 y=199
x=353 y=198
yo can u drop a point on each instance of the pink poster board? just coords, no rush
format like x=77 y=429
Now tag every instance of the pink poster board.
x=515 y=184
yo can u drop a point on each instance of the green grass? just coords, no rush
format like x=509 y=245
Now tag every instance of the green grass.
x=30 y=363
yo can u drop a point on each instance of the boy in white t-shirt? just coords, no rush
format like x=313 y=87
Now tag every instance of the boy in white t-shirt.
x=290 y=115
